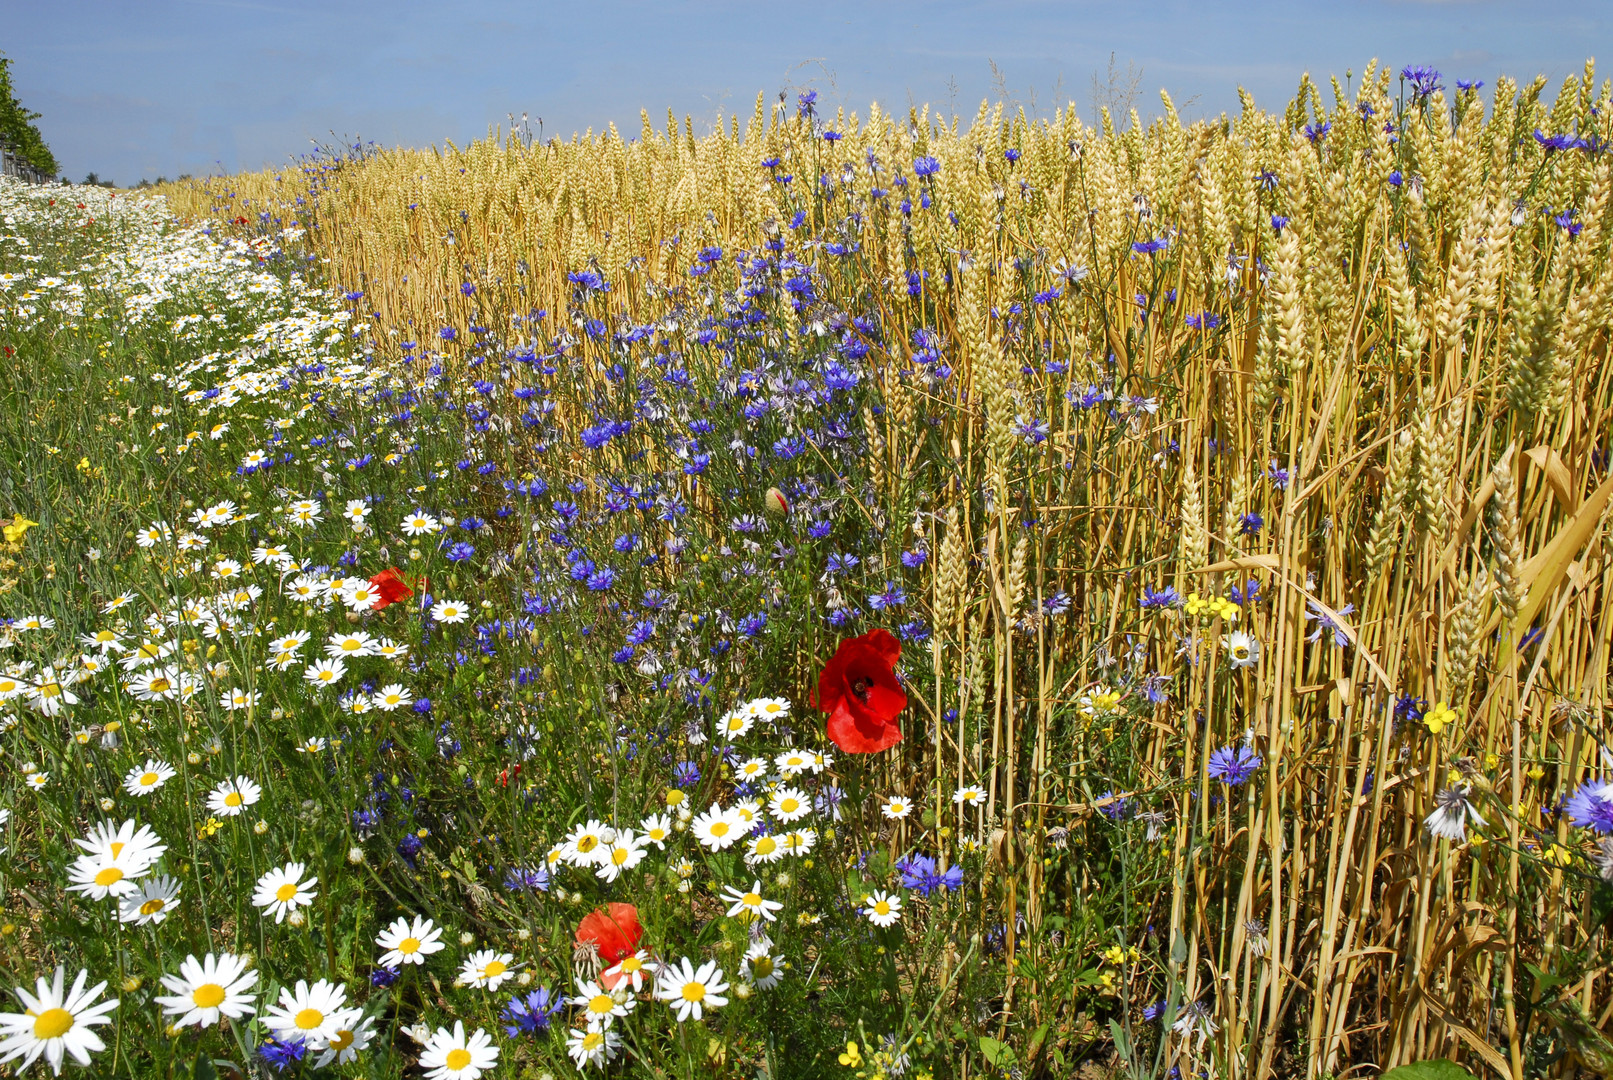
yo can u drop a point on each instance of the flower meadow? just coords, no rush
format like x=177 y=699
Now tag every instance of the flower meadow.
x=864 y=598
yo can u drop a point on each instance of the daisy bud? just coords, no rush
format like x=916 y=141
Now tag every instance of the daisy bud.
x=193 y=758
x=355 y=855
x=784 y=880
x=742 y=990
x=525 y=978
x=467 y=938
x=261 y=827
x=297 y=918
x=523 y=934
x=107 y=805
x=131 y=984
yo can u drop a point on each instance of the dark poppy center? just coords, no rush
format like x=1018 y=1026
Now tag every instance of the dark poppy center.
x=860 y=688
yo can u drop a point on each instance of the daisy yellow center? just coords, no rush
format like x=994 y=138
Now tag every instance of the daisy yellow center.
x=159 y=685
x=147 y=779
x=342 y=1041
x=409 y=946
x=591 y=1040
x=694 y=991
x=766 y=845
x=152 y=906
x=349 y=645
x=751 y=899
x=736 y=723
x=882 y=908
x=601 y=1003
x=286 y=893
x=207 y=996
x=719 y=828
x=762 y=967
x=493 y=970
x=53 y=1024
x=233 y=799
x=457 y=1059
x=619 y=856
x=587 y=843
x=770 y=707
x=789 y=806
x=308 y=1019
x=631 y=964
x=110 y=876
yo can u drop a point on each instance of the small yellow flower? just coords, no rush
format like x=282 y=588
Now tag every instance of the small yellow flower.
x=852 y=1058
x=1196 y=604
x=1440 y=715
x=19 y=525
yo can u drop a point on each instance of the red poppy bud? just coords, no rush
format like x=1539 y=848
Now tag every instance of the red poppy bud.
x=615 y=931
x=859 y=691
x=389 y=584
x=776 y=502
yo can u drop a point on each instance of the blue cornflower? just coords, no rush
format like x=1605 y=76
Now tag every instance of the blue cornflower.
x=1150 y=247
x=1410 y=709
x=622 y=655
x=1266 y=180
x=1249 y=594
x=383 y=977
x=1464 y=84
x=354 y=296
x=1056 y=605
x=1206 y=321
x=1047 y=296
x=921 y=874
x=806 y=99
x=601 y=580
x=1153 y=1012
x=893 y=596
x=914 y=632
x=832 y=136
x=1278 y=477
x=1325 y=623
x=752 y=625
x=1167 y=597
x=641 y=632
x=531 y=1014
x=468 y=289
x=1565 y=220
x=1591 y=806
x=1119 y=809
x=1314 y=133
x=1277 y=223
x=528 y=878
x=1031 y=429
x=282 y=1055
x=926 y=166
x=1233 y=765
x=460 y=552
x=685 y=774
x=1396 y=178
x=448 y=333
x=1424 y=80
x=1251 y=523
x=914 y=559
x=828 y=802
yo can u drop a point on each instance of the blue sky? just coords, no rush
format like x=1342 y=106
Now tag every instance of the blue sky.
x=137 y=89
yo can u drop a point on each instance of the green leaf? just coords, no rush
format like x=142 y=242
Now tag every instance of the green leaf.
x=203 y=1069
x=999 y=1054
x=1438 y=1069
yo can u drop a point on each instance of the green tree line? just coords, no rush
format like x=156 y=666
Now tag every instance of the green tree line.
x=17 y=127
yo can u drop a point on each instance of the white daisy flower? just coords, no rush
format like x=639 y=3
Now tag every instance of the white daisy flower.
x=144 y=779
x=282 y=891
x=691 y=992
x=205 y=991
x=54 y=1024
x=409 y=943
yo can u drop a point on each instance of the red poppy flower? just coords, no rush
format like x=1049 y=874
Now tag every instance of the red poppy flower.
x=614 y=931
x=389 y=583
x=859 y=691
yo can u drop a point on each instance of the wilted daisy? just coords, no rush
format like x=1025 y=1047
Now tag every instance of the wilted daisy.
x=409 y=942
x=750 y=904
x=589 y=1046
x=487 y=969
x=144 y=779
x=600 y=1007
x=882 y=908
x=231 y=797
x=206 y=990
x=691 y=992
x=154 y=902
x=1452 y=808
x=55 y=1025
x=310 y=1014
x=282 y=891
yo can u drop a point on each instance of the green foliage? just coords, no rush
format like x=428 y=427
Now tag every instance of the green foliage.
x=17 y=126
x=1437 y=1069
